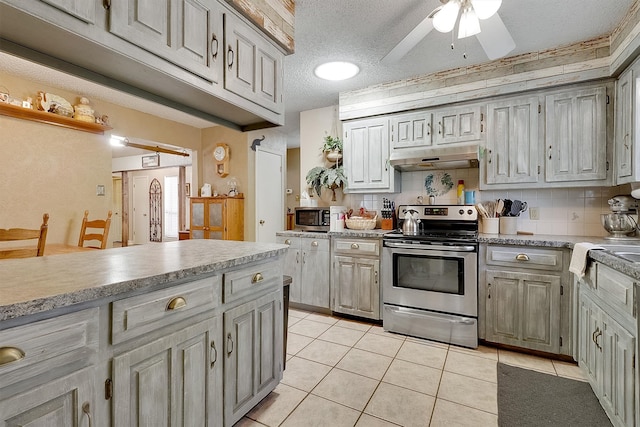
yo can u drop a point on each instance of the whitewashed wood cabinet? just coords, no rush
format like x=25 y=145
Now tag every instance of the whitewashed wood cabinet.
x=627 y=167
x=308 y=264
x=512 y=150
x=526 y=297
x=458 y=124
x=366 y=157
x=411 y=130
x=355 y=279
x=81 y=9
x=576 y=135
x=607 y=334
x=253 y=354
x=173 y=381
x=185 y=32
x=254 y=68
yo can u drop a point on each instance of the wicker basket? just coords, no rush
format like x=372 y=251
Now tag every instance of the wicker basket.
x=356 y=223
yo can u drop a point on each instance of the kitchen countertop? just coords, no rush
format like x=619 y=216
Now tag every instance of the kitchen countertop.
x=39 y=284
x=375 y=233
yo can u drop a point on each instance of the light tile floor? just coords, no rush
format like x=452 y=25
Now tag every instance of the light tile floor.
x=347 y=373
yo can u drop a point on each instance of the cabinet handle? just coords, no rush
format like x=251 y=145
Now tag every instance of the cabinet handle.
x=229 y=344
x=86 y=408
x=304 y=257
x=488 y=290
x=10 y=354
x=375 y=274
x=214 y=52
x=626 y=141
x=297 y=257
x=230 y=58
x=106 y=4
x=214 y=354
x=287 y=242
x=314 y=243
x=176 y=303
x=428 y=128
x=596 y=334
x=522 y=257
x=262 y=222
x=257 y=278
x=490 y=155
x=355 y=246
x=440 y=128
x=549 y=152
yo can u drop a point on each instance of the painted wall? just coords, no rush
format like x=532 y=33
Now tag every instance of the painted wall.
x=45 y=168
x=293 y=178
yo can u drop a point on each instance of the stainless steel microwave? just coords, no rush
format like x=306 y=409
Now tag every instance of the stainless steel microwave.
x=313 y=219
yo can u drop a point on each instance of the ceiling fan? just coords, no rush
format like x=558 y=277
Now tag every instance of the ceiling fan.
x=474 y=17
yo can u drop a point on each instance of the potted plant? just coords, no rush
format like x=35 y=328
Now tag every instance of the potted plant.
x=333 y=147
x=330 y=178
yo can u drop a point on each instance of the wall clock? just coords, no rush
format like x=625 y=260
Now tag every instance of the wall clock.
x=221 y=159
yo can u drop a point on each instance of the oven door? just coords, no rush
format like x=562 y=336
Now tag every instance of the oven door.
x=432 y=279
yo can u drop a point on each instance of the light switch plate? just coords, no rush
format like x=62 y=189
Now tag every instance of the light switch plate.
x=100 y=190
x=534 y=213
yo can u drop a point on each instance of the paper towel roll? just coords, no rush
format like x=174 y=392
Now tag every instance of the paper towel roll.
x=337 y=218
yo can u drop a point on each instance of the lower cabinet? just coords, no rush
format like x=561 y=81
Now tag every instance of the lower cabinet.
x=307 y=263
x=253 y=354
x=173 y=381
x=67 y=401
x=523 y=310
x=607 y=346
x=356 y=277
x=526 y=296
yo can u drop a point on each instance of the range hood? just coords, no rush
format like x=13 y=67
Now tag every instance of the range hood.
x=430 y=158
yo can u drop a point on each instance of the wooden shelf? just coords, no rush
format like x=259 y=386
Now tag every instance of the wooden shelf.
x=51 y=118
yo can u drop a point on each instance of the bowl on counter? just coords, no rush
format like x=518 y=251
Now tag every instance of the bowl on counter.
x=618 y=224
x=360 y=223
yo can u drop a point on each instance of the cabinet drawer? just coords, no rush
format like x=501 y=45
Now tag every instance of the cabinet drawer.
x=49 y=348
x=311 y=245
x=357 y=247
x=522 y=257
x=139 y=315
x=249 y=280
x=616 y=289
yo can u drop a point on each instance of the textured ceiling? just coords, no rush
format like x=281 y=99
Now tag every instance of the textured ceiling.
x=364 y=31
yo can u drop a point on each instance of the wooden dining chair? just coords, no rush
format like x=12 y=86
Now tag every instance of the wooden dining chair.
x=18 y=234
x=93 y=234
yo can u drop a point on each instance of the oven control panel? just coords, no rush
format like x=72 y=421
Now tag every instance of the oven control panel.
x=441 y=212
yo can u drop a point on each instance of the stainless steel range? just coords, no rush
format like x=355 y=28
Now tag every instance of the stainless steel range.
x=430 y=278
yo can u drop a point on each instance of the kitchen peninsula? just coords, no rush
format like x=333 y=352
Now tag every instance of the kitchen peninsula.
x=179 y=332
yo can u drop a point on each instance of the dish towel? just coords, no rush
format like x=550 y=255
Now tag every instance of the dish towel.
x=578 y=263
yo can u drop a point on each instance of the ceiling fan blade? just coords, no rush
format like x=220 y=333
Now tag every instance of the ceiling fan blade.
x=409 y=42
x=495 y=38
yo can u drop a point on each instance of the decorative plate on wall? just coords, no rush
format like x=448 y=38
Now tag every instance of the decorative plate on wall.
x=438 y=183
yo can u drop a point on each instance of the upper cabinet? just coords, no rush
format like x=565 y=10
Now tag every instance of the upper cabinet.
x=186 y=32
x=411 y=130
x=198 y=56
x=366 y=157
x=576 y=135
x=254 y=67
x=512 y=148
x=458 y=124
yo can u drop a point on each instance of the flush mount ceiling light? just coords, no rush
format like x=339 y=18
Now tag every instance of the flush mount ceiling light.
x=336 y=70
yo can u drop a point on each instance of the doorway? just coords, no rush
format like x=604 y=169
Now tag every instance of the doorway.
x=269 y=195
x=140 y=210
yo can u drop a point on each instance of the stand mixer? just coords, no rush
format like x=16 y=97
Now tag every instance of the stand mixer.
x=620 y=223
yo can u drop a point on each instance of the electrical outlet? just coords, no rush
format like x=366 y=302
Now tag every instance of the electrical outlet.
x=534 y=213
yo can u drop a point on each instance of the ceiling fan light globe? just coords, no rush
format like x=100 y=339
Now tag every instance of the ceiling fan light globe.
x=469 y=24
x=445 y=19
x=486 y=8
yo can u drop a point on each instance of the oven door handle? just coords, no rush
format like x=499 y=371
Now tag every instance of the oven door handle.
x=432 y=247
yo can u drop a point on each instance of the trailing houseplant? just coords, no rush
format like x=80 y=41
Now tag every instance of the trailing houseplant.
x=333 y=147
x=331 y=178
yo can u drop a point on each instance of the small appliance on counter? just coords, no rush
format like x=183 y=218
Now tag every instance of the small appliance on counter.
x=313 y=218
x=620 y=222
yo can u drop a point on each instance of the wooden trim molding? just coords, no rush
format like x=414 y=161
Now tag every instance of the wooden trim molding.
x=51 y=118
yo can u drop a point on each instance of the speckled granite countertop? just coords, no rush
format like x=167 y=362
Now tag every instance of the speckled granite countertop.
x=34 y=285
x=375 y=233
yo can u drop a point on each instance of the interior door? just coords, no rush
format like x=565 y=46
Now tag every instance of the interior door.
x=115 y=232
x=140 y=210
x=269 y=195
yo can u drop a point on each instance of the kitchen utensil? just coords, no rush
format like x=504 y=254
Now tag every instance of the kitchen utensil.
x=499 y=207
x=618 y=224
x=410 y=225
x=506 y=209
x=517 y=207
x=482 y=210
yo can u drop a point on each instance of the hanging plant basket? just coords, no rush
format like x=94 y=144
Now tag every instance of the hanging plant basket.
x=334 y=155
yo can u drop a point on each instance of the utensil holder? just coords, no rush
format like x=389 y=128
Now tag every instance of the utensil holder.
x=386 y=224
x=508 y=225
x=490 y=225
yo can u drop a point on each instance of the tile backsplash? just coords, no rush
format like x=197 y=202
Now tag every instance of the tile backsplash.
x=562 y=211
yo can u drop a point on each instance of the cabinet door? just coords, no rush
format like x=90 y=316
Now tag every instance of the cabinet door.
x=85 y=10
x=254 y=66
x=576 y=135
x=173 y=381
x=253 y=352
x=366 y=157
x=292 y=266
x=315 y=278
x=216 y=211
x=523 y=309
x=589 y=355
x=617 y=346
x=356 y=286
x=185 y=32
x=624 y=128
x=411 y=130
x=67 y=401
x=512 y=145
x=458 y=124
x=197 y=220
